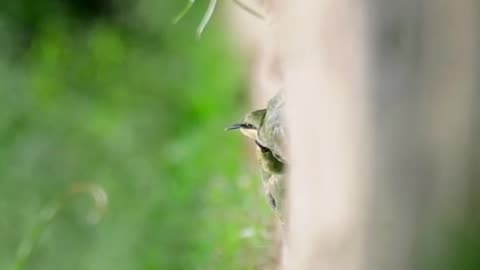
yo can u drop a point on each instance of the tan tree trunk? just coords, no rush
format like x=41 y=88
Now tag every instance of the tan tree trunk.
x=381 y=99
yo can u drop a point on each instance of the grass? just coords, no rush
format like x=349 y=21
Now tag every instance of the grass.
x=138 y=110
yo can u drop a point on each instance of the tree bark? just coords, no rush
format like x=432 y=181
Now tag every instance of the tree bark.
x=324 y=53
x=381 y=111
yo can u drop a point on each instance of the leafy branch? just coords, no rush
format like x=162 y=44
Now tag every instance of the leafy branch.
x=211 y=9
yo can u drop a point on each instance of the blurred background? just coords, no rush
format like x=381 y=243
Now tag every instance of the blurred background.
x=112 y=150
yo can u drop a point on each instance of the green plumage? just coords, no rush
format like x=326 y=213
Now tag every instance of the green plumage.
x=271 y=132
x=269 y=162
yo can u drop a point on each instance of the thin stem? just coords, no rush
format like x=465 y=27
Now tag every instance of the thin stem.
x=206 y=18
x=184 y=11
x=249 y=9
x=48 y=214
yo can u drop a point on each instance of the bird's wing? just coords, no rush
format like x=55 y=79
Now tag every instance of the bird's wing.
x=275 y=191
x=265 y=175
x=272 y=133
x=271 y=199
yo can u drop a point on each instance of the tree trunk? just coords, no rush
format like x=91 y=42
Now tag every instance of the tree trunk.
x=381 y=110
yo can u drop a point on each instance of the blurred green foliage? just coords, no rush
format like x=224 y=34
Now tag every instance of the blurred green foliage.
x=117 y=96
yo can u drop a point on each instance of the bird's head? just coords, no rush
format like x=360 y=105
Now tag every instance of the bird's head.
x=250 y=124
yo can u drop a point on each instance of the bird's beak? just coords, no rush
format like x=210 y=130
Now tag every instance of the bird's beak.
x=234 y=126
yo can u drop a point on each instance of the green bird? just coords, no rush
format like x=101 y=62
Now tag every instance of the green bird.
x=271 y=132
x=265 y=128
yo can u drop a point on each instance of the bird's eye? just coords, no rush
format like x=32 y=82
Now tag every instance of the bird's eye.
x=248 y=126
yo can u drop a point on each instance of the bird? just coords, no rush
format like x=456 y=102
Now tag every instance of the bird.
x=264 y=127
x=272 y=131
